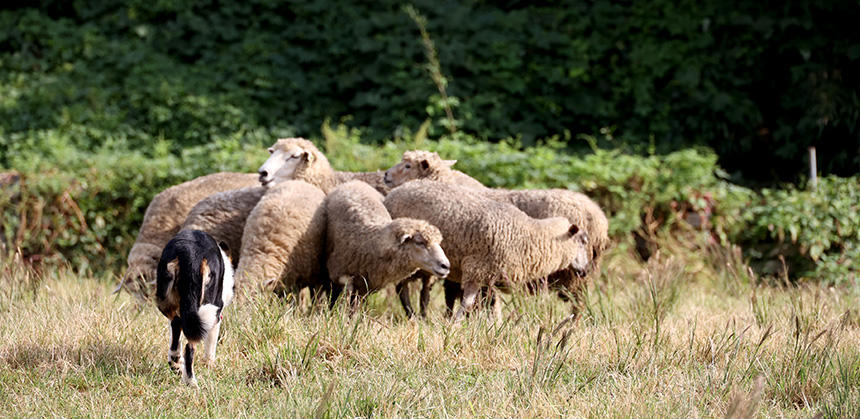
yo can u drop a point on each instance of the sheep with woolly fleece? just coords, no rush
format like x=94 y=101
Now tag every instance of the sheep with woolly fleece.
x=489 y=242
x=222 y=216
x=375 y=179
x=283 y=242
x=297 y=159
x=162 y=220
x=420 y=164
x=367 y=249
x=300 y=159
x=537 y=203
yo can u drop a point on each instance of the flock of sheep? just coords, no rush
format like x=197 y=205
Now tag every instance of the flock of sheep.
x=299 y=223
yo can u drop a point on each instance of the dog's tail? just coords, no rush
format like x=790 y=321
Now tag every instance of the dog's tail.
x=197 y=320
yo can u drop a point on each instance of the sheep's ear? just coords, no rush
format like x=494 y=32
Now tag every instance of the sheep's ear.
x=271 y=150
x=404 y=238
x=449 y=163
x=309 y=157
x=573 y=229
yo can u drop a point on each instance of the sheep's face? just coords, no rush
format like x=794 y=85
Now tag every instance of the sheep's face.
x=286 y=161
x=415 y=165
x=580 y=253
x=422 y=244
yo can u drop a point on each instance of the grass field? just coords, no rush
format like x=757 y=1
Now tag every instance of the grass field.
x=687 y=334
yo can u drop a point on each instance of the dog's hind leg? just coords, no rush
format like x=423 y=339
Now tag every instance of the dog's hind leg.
x=173 y=354
x=187 y=371
x=210 y=343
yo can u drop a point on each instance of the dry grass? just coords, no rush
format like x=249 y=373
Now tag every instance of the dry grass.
x=684 y=335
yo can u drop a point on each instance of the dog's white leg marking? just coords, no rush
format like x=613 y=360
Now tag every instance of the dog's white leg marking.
x=227 y=284
x=211 y=343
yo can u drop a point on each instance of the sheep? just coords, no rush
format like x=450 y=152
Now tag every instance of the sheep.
x=488 y=242
x=162 y=220
x=420 y=164
x=368 y=250
x=576 y=207
x=283 y=242
x=375 y=179
x=297 y=159
x=222 y=215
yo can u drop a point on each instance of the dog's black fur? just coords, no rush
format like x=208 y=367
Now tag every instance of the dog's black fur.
x=194 y=283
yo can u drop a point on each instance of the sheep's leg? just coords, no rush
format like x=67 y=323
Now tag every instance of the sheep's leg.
x=173 y=355
x=188 y=372
x=452 y=292
x=403 y=292
x=426 y=285
x=470 y=294
x=347 y=285
x=491 y=296
x=210 y=343
x=334 y=292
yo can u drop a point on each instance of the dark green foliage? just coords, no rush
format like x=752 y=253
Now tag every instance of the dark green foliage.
x=86 y=208
x=750 y=79
x=818 y=233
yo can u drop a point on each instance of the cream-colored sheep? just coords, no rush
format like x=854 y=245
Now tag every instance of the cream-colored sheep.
x=368 y=250
x=576 y=207
x=283 y=242
x=420 y=164
x=300 y=159
x=488 y=242
x=297 y=159
x=164 y=215
x=222 y=216
x=375 y=179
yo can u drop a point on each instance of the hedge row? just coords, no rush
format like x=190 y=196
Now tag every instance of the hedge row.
x=85 y=209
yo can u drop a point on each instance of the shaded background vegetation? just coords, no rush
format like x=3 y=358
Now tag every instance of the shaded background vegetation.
x=657 y=109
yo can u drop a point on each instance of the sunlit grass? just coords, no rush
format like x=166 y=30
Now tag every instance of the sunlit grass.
x=689 y=333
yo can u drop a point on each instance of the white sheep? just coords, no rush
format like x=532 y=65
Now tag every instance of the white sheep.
x=283 y=242
x=577 y=208
x=375 y=179
x=490 y=243
x=162 y=220
x=420 y=164
x=300 y=159
x=367 y=249
x=222 y=215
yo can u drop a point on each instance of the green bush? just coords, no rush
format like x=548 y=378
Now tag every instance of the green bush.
x=742 y=78
x=85 y=208
x=818 y=233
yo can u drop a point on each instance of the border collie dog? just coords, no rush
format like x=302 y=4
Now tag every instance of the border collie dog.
x=195 y=282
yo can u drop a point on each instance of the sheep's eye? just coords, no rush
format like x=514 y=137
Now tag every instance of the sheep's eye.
x=408 y=166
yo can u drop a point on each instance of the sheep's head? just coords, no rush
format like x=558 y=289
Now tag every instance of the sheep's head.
x=139 y=278
x=290 y=157
x=574 y=243
x=420 y=242
x=416 y=164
